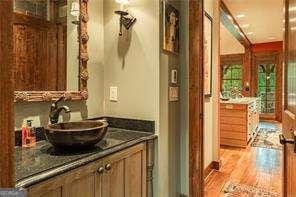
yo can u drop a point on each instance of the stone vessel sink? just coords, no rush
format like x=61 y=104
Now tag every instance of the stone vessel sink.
x=76 y=134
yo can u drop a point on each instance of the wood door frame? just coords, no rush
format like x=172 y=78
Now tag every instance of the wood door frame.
x=196 y=98
x=6 y=97
x=276 y=58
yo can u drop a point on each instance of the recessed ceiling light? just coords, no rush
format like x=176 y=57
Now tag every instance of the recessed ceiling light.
x=271 y=38
x=250 y=33
x=245 y=25
x=292 y=8
x=240 y=16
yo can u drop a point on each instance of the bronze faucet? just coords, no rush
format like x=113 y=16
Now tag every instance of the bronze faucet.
x=55 y=111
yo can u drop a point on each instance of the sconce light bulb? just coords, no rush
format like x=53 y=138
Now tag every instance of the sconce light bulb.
x=75 y=9
x=122 y=1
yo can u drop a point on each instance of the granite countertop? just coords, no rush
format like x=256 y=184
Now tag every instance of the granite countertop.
x=243 y=101
x=43 y=161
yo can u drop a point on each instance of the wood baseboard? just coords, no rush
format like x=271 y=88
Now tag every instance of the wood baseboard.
x=214 y=165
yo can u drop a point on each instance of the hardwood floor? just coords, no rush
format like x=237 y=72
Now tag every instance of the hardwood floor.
x=252 y=166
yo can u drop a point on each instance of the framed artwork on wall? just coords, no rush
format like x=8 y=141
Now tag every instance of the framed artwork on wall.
x=171 y=19
x=208 y=57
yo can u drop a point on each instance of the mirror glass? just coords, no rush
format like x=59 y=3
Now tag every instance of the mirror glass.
x=46 y=45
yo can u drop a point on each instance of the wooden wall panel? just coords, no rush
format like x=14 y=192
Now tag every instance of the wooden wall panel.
x=6 y=97
x=270 y=46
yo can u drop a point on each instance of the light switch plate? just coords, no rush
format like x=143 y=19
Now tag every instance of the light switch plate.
x=173 y=94
x=114 y=94
x=174 y=76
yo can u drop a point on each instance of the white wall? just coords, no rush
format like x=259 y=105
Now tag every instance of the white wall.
x=229 y=44
x=210 y=107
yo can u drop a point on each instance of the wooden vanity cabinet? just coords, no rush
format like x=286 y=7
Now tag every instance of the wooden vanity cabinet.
x=238 y=123
x=121 y=174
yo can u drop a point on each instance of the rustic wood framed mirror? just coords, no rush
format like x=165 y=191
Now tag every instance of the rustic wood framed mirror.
x=50 y=50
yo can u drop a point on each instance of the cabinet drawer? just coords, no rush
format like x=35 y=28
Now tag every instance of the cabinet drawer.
x=233 y=120
x=233 y=142
x=233 y=135
x=233 y=128
x=233 y=106
x=233 y=113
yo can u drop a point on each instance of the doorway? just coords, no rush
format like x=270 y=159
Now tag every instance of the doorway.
x=259 y=156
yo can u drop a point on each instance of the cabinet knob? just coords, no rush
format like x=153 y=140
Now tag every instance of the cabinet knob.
x=108 y=167
x=100 y=170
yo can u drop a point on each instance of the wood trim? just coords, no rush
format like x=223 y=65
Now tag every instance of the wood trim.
x=269 y=46
x=217 y=101
x=6 y=97
x=214 y=165
x=217 y=165
x=275 y=57
x=232 y=25
x=196 y=98
x=247 y=72
x=231 y=59
x=208 y=170
x=82 y=94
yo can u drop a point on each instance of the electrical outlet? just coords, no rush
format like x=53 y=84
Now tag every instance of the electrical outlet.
x=114 y=94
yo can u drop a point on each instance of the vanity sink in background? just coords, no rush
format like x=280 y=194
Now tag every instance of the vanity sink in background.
x=76 y=134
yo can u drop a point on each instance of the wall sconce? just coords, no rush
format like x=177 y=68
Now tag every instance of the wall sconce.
x=126 y=19
x=75 y=11
x=247 y=86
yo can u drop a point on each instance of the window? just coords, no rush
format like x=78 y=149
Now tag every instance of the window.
x=266 y=88
x=231 y=79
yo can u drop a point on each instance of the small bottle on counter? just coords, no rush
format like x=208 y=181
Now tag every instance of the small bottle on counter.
x=28 y=134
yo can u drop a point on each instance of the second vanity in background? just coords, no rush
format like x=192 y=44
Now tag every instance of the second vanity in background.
x=239 y=119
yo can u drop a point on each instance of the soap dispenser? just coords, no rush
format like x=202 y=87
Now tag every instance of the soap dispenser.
x=28 y=134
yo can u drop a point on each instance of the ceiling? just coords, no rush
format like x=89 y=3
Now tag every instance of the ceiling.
x=229 y=44
x=265 y=18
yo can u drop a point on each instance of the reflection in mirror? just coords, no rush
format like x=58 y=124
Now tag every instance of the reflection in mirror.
x=46 y=45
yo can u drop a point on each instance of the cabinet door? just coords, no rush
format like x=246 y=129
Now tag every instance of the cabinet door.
x=135 y=175
x=52 y=193
x=123 y=174
x=111 y=182
x=84 y=186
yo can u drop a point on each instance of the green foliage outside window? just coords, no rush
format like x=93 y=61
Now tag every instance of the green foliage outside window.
x=231 y=78
x=266 y=87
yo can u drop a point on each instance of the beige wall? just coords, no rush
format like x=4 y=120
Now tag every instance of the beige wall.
x=184 y=99
x=210 y=118
x=169 y=119
x=229 y=44
x=131 y=62
x=72 y=51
